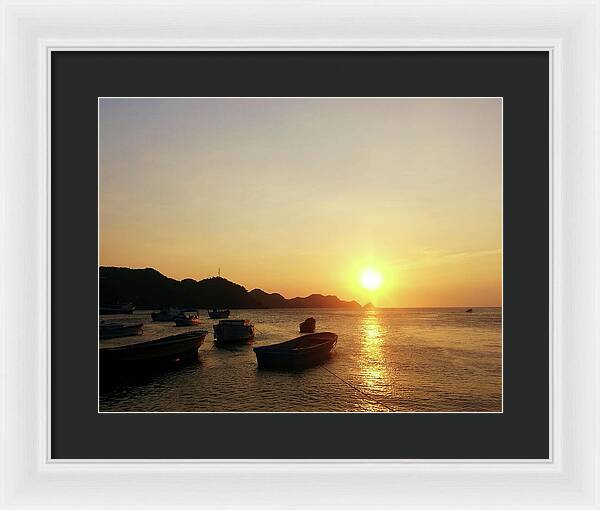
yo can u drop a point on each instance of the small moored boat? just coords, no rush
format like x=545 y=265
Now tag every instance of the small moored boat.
x=233 y=331
x=187 y=320
x=117 y=330
x=308 y=326
x=169 y=349
x=218 y=314
x=302 y=352
x=116 y=309
x=166 y=315
x=470 y=310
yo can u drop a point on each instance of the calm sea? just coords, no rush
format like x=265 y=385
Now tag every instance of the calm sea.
x=402 y=360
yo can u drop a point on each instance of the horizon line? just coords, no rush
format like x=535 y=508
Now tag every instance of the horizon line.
x=300 y=297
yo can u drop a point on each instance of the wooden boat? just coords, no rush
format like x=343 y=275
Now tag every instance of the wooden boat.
x=187 y=320
x=233 y=331
x=302 y=352
x=166 y=315
x=117 y=330
x=116 y=309
x=218 y=314
x=163 y=350
x=470 y=310
x=308 y=326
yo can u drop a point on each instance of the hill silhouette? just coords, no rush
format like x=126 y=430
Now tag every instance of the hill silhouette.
x=149 y=289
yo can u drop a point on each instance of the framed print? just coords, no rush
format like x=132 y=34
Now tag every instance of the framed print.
x=345 y=247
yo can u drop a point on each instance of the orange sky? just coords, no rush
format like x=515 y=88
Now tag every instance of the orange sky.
x=299 y=196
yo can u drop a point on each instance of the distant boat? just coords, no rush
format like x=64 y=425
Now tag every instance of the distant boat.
x=302 y=352
x=166 y=315
x=169 y=349
x=233 y=331
x=218 y=314
x=470 y=310
x=117 y=329
x=187 y=320
x=308 y=326
x=116 y=309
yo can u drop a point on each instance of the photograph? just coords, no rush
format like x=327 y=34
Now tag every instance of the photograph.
x=300 y=255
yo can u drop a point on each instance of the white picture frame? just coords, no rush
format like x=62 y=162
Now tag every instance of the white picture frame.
x=569 y=30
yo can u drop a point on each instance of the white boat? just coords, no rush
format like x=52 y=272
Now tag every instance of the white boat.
x=118 y=329
x=233 y=331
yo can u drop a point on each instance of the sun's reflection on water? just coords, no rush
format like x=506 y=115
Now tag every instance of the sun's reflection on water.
x=374 y=371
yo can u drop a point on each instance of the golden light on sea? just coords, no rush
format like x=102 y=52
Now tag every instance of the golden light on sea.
x=375 y=377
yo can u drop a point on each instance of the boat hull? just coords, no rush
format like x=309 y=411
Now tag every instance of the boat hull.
x=219 y=314
x=186 y=322
x=297 y=354
x=163 y=316
x=117 y=310
x=233 y=333
x=170 y=349
x=308 y=326
x=107 y=331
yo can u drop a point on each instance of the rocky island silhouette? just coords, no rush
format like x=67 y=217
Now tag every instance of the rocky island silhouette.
x=149 y=289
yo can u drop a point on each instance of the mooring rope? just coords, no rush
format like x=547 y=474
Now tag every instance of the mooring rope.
x=369 y=397
x=359 y=390
x=211 y=348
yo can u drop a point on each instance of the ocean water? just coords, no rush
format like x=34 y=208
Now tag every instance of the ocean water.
x=386 y=360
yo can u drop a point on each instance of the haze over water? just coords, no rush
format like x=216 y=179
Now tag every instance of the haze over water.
x=403 y=360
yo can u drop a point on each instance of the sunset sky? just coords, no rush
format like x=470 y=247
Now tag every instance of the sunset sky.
x=302 y=196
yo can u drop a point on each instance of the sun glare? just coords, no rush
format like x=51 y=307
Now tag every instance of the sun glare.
x=371 y=279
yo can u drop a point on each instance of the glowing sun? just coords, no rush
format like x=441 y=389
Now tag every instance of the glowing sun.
x=371 y=279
